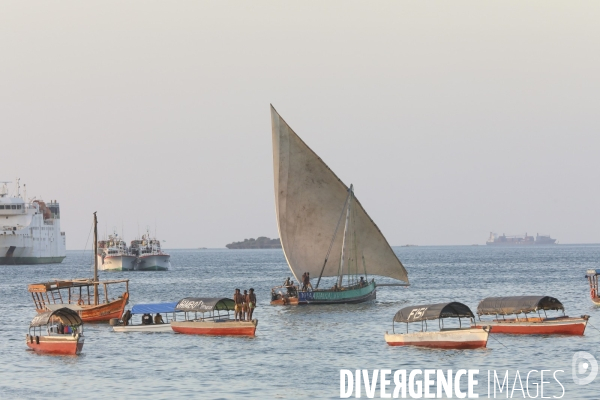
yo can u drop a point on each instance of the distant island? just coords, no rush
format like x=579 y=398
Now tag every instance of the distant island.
x=259 y=243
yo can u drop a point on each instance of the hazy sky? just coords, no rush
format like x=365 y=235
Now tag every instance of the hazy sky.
x=451 y=119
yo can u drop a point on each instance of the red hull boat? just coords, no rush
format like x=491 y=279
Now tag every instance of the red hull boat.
x=69 y=345
x=592 y=276
x=516 y=305
x=63 y=332
x=540 y=326
x=217 y=323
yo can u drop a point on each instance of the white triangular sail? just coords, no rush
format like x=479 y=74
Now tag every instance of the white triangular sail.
x=309 y=200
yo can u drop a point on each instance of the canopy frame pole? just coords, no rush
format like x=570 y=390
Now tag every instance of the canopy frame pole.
x=332 y=240
x=346 y=227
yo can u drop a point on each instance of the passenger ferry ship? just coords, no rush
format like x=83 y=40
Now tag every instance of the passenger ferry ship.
x=29 y=230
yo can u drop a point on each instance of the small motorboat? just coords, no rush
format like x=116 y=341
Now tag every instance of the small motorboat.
x=454 y=337
x=537 y=325
x=592 y=277
x=129 y=322
x=56 y=332
x=215 y=318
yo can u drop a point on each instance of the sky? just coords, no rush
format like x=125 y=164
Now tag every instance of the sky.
x=451 y=119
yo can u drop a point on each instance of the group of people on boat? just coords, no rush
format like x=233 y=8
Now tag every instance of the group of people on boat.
x=146 y=318
x=245 y=303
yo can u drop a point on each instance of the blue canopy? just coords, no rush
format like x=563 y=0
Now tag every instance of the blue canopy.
x=592 y=272
x=154 y=308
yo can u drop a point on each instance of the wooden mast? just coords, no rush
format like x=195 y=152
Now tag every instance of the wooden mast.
x=95 y=259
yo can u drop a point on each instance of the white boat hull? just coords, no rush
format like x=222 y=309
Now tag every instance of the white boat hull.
x=116 y=263
x=143 y=328
x=469 y=338
x=154 y=262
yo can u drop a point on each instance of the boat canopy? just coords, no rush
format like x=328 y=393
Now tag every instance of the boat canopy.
x=426 y=312
x=205 y=304
x=154 y=308
x=517 y=305
x=65 y=315
x=592 y=272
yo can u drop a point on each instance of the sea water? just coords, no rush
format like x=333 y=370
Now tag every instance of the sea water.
x=298 y=352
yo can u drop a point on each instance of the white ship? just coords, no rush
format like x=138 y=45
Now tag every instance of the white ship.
x=113 y=255
x=29 y=230
x=150 y=255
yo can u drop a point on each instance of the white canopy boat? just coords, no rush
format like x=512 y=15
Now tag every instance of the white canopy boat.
x=165 y=309
x=445 y=338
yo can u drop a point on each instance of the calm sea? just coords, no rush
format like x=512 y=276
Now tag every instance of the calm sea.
x=297 y=352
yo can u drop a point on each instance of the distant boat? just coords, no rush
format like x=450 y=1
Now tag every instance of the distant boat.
x=518 y=240
x=324 y=229
x=113 y=255
x=592 y=276
x=150 y=255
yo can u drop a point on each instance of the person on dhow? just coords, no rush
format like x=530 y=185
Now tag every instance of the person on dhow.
x=239 y=301
x=306 y=281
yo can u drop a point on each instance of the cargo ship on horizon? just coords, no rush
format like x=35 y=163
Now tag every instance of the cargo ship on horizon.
x=519 y=240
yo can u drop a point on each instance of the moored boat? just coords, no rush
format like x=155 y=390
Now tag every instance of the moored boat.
x=217 y=322
x=447 y=337
x=150 y=256
x=63 y=332
x=113 y=255
x=81 y=295
x=592 y=277
x=537 y=325
x=324 y=230
x=131 y=325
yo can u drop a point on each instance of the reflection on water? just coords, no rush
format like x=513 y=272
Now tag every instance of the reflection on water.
x=298 y=351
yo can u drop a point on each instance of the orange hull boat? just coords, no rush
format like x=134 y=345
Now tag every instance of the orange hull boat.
x=215 y=328
x=539 y=326
x=61 y=344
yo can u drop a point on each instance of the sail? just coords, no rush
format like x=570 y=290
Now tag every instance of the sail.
x=309 y=201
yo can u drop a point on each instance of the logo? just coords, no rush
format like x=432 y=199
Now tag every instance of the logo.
x=584 y=364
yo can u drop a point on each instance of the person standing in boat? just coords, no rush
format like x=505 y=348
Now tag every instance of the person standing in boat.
x=307 y=281
x=251 y=301
x=237 y=299
x=244 y=305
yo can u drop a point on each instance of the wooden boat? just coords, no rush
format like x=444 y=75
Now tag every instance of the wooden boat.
x=592 y=277
x=311 y=203
x=166 y=309
x=445 y=338
x=81 y=295
x=538 y=325
x=63 y=332
x=217 y=322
